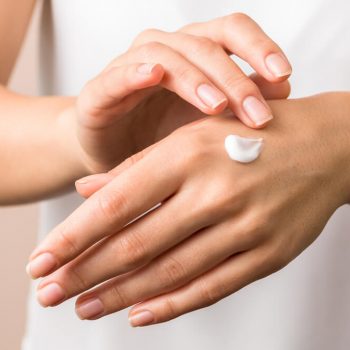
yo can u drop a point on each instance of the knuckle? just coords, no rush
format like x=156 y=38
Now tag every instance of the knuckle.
x=185 y=74
x=145 y=35
x=149 y=49
x=272 y=258
x=119 y=298
x=190 y=28
x=191 y=156
x=262 y=44
x=216 y=201
x=254 y=227
x=171 y=272
x=246 y=235
x=80 y=282
x=204 y=46
x=279 y=263
x=234 y=82
x=170 y=308
x=112 y=204
x=133 y=251
x=279 y=257
x=210 y=293
x=195 y=144
x=67 y=242
x=237 y=19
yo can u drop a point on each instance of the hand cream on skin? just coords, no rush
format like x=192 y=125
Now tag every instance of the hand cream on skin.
x=242 y=149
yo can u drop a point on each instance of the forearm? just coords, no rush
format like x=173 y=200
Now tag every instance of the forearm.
x=39 y=153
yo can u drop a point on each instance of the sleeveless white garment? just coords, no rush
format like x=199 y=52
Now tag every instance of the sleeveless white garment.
x=304 y=306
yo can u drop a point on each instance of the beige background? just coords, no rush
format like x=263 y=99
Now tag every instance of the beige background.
x=18 y=224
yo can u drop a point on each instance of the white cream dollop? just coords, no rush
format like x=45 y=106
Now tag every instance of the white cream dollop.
x=242 y=149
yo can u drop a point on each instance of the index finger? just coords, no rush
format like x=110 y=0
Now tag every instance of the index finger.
x=239 y=34
x=136 y=190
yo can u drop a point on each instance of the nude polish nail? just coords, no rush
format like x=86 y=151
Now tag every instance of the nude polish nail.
x=50 y=295
x=41 y=265
x=141 y=318
x=90 y=308
x=87 y=179
x=256 y=110
x=278 y=65
x=146 y=68
x=210 y=96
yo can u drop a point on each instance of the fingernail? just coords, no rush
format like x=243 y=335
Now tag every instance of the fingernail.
x=210 y=96
x=141 y=318
x=278 y=65
x=86 y=179
x=51 y=294
x=146 y=68
x=89 y=309
x=256 y=110
x=41 y=265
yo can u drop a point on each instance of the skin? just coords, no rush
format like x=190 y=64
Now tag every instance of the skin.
x=221 y=224
x=74 y=133
x=118 y=113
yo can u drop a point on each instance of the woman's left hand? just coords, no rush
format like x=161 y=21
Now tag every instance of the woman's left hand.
x=221 y=224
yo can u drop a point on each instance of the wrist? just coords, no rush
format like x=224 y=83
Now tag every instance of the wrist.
x=66 y=137
x=335 y=107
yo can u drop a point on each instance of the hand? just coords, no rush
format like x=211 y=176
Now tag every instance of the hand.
x=130 y=105
x=220 y=226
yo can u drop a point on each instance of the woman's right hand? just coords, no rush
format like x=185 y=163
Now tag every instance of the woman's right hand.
x=167 y=79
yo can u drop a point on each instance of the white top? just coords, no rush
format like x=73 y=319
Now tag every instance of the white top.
x=304 y=306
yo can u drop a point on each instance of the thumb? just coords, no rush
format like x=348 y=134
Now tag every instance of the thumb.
x=88 y=185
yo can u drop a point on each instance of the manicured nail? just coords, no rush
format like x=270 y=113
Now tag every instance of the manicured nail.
x=86 y=179
x=210 y=96
x=41 y=265
x=278 y=65
x=141 y=318
x=146 y=68
x=90 y=308
x=256 y=110
x=51 y=294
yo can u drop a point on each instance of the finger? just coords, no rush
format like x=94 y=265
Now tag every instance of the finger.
x=245 y=98
x=91 y=184
x=216 y=284
x=241 y=35
x=181 y=76
x=88 y=185
x=169 y=271
x=116 y=91
x=126 y=197
x=272 y=91
x=135 y=246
